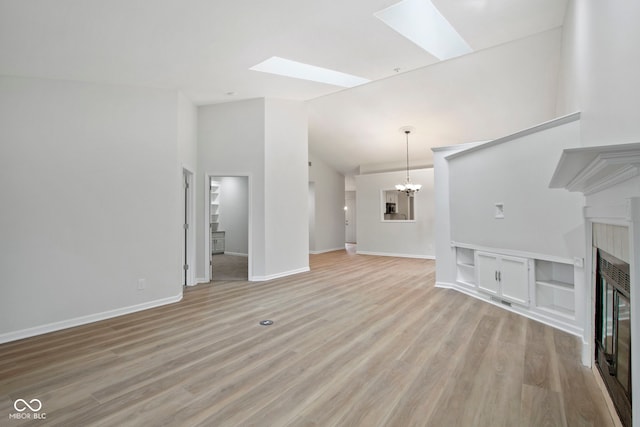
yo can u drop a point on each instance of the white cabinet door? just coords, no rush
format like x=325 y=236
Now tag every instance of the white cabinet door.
x=514 y=279
x=487 y=271
x=504 y=276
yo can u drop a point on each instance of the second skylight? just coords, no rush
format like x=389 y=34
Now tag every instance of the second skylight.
x=423 y=24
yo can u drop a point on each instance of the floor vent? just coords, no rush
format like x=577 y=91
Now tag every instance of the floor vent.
x=501 y=301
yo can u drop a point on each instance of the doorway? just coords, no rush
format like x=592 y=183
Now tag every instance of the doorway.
x=228 y=218
x=350 y=217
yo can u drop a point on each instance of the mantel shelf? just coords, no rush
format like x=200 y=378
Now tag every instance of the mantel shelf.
x=592 y=169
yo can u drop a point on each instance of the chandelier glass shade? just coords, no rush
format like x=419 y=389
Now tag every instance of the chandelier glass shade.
x=408 y=187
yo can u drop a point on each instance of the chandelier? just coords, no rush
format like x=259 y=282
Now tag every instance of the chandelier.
x=408 y=187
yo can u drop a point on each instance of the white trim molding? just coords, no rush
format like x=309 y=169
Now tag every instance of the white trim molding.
x=323 y=251
x=523 y=254
x=83 y=320
x=538 y=128
x=236 y=254
x=592 y=169
x=278 y=275
x=416 y=256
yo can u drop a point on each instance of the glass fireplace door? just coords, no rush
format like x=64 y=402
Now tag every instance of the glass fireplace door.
x=613 y=331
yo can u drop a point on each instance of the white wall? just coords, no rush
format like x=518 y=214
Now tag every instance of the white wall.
x=312 y=216
x=517 y=173
x=231 y=142
x=234 y=213
x=410 y=239
x=328 y=212
x=267 y=141
x=89 y=183
x=187 y=133
x=445 y=267
x=600 y=69
x=286 y=184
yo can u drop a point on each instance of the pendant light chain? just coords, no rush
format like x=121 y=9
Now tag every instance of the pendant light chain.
x=406 y=132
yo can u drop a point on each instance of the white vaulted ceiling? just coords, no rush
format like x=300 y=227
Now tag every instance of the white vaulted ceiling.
x=205 y=48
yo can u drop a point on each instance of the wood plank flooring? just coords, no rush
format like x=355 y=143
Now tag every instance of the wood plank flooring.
x=230 y=267
x=358 y=341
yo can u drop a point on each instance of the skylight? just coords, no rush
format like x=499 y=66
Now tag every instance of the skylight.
x=298 y=70
x=423 y=24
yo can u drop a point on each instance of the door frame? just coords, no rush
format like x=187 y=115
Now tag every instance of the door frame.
x=207 y=233
x=189 y=244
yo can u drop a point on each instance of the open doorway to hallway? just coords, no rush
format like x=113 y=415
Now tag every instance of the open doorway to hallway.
x=350 y=217
x=229 y=228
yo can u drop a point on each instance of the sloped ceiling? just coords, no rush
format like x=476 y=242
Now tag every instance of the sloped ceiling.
x=477 y=97
x=204 y=48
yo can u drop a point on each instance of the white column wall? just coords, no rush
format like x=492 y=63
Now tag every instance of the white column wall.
x=286 y=184
x=445 y=254
x=231 y=142
x=266 y=140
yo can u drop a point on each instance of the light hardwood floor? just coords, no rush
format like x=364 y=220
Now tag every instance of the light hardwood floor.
x=230 y=267
x=358 y=341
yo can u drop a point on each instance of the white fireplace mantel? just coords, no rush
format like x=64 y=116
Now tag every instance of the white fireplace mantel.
x=596 y=172
x=592 y=169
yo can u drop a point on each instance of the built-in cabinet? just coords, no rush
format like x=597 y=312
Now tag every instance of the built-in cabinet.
x=217 y=242
x=506 y=277
x=542 y=289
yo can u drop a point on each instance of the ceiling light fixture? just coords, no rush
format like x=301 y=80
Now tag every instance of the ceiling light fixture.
x=299 y=70
x=422 y=23
x=408 y=187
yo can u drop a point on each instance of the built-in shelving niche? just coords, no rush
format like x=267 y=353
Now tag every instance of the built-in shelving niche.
x=554 y=288
x=465 y=266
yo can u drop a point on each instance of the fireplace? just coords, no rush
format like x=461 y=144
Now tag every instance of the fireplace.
x=609 y=178
x=613 y=330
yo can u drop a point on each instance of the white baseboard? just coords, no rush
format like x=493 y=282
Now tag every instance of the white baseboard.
x=278 y=275
x=587 y=356
x=83 y=320
x=323 y=251
x=201 y=280
x=396 y=255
